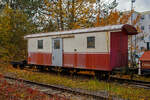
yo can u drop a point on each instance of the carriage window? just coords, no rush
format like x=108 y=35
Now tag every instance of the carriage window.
x=90 y=42
x=56 y=44
x=40 y=44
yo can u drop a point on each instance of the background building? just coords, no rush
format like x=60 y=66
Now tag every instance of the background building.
x=142 y=41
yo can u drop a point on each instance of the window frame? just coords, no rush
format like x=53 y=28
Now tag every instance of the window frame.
x=142 y=28
x=90 y=39
x=56 y=44
x=142 y=17
x=40 y=44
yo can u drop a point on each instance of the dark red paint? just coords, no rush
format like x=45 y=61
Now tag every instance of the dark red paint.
x=119 y=49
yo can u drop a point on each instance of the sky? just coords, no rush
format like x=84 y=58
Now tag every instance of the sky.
x=139 y=5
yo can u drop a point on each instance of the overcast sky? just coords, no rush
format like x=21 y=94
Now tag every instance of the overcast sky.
x=139 y=5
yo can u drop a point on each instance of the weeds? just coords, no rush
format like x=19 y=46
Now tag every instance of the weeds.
x=18 y=91
x=123 y=91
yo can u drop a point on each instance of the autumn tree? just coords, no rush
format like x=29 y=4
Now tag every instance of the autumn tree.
x=30 y=7
x=13 y=26
x=74 y=14
x=69 y=14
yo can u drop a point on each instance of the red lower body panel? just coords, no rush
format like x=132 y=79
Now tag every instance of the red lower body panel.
x=96 y=61
x=87 y=61
x=40 y=58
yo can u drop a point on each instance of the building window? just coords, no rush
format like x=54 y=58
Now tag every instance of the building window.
x=40 y=44
x=142 y=48
x=91 y=42
x=148 y=46
x=56 y=44
x=142 y=17
x=142 y=27
x=142 y=38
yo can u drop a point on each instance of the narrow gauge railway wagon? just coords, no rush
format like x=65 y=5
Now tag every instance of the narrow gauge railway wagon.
x=144 y=63
x=100 y=48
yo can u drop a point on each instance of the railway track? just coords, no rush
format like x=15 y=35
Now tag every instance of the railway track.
x=59 y=90
x=62 y=91
x=136 y=83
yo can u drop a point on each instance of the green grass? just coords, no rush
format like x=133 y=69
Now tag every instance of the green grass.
x=123 y=91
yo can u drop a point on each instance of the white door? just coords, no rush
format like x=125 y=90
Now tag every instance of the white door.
x=57 y=52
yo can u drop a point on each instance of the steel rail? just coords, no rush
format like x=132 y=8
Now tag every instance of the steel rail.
x=97 y=95
x=137 y=83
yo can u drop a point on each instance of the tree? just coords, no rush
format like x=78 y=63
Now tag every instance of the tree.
x=69 y=14
x=116 y=17
x=74 y=14
x=30 y=7
x=13 y=26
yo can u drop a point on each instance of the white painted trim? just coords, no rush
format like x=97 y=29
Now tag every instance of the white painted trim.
x=86 y=52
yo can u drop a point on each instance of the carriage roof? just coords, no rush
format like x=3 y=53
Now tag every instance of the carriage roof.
x=130 y=30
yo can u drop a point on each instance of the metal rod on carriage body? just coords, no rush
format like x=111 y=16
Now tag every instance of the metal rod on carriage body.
x=139 y=70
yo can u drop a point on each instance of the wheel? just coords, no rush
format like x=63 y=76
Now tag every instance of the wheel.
x=102 y=75
x=21 y=66
x=15 y=65
x=98 y=75
x=40 y=68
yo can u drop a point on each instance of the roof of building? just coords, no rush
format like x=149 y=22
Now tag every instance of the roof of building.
x=130 y=30
x=145 y=56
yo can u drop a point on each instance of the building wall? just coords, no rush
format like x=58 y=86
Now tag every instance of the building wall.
x=144 y=35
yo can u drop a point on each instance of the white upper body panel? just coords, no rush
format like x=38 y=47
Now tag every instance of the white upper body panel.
x=78 y=43
x=76 y=40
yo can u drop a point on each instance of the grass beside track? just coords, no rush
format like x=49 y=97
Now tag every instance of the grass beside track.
x=123 y=91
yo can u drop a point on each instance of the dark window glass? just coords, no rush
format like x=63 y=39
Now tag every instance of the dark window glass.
x=90 y=42
x=142 y=38
x=56 y=44
x=142 y=17
x=148 y=46
x=40 y=44
x=142 y=48
x=142 y=27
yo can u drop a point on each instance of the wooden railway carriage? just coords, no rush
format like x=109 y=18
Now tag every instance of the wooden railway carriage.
x=100 y=48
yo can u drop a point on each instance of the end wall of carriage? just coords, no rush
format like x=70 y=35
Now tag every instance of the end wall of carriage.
x=145 y=60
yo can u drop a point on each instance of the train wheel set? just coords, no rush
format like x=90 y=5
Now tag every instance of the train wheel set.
x=102 y=75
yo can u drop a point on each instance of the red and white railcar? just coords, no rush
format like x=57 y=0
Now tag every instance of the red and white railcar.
x=100 y=48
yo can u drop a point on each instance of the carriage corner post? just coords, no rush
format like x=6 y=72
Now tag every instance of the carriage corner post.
x=139 y=69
